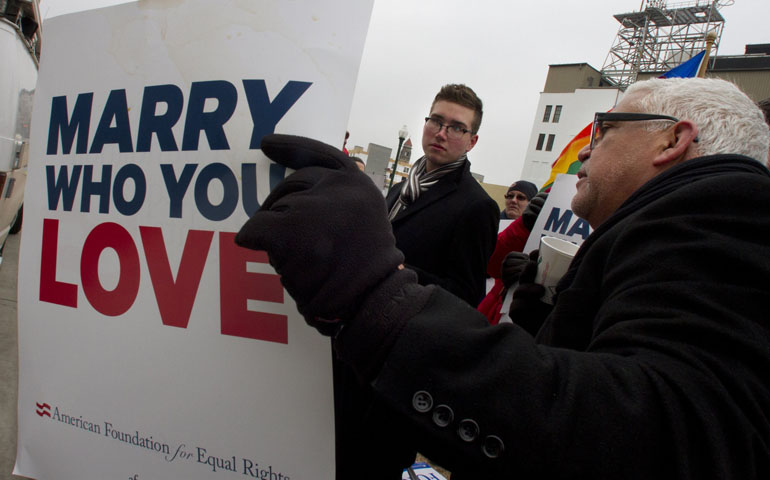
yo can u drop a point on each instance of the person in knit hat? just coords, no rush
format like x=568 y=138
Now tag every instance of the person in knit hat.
x=517 y=198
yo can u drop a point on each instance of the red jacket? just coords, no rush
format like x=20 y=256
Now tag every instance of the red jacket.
x=512 y=239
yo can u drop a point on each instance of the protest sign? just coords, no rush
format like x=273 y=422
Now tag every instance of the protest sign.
x=150 y=345
x=556 y=218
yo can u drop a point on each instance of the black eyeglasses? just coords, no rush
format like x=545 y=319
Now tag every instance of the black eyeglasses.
x=598 y=128
x=453 y=131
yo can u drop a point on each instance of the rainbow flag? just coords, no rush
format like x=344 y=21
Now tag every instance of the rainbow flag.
x=568 y=161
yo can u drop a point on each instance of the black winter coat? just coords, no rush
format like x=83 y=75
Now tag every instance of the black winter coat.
x=449 y=233
x=654 y=364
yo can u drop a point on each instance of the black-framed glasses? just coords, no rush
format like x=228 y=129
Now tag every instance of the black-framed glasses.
x=453 y=130
x=598 y=128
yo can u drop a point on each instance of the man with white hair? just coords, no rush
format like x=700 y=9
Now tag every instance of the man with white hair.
x=655 y=361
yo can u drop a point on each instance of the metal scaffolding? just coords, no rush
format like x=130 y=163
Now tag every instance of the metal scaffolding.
x=661 y=36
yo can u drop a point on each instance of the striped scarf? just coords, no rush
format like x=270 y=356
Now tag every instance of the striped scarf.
x=420 y=181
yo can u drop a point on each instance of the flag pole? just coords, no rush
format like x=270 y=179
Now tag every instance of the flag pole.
x=710 y=39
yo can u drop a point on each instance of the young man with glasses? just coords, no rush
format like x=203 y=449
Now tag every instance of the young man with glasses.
x=654 y=360
x=443 y=221
x=446 y=226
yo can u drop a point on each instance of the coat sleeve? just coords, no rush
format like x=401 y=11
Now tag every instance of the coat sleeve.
x=670 y=380
x=512 y=239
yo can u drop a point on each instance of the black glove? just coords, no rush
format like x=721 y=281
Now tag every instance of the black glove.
x=527 y=310
x=529 y=216
x=513 y=265
x=325 y=229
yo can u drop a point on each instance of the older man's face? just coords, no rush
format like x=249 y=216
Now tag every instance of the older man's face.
x=617 y=166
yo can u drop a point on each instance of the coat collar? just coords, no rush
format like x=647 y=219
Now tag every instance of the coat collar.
x=657 y=187
x=448 y=184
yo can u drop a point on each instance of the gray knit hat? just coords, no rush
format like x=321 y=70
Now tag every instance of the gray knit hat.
x=527 y=188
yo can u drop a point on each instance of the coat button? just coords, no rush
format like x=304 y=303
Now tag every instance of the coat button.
x=443 y=415
x=422 y=401
x=493 y=446
x=468 y=430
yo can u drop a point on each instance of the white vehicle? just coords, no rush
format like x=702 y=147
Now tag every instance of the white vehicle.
x=19 y=54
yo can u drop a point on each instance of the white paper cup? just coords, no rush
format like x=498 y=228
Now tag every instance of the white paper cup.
x=555 y=256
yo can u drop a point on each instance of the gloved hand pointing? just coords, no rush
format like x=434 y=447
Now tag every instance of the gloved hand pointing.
x=325 y=229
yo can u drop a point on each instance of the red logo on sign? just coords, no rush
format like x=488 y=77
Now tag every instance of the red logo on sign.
x=43 y=409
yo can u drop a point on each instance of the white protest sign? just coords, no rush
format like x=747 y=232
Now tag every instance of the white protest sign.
x=556 y=218
x=151 y=347
x=490 y=282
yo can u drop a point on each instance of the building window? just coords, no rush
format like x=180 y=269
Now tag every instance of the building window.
x=406 y=169
x=556 y=114
x=540 y=141
x=547 y=115
x=549 y=145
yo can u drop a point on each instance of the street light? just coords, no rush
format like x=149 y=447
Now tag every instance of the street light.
x=402 y=134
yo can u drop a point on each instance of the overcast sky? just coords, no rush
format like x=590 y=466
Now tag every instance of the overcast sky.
x=500 y=48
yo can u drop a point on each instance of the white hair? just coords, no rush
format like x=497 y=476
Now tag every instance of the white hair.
x=728 y=120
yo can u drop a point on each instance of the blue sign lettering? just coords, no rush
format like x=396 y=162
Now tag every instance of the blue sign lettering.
x=114 y=124
x=160 y=125
x=212 y=122
x=115 y=110
x=60 y=123
x=555 y=222
x=558 y=223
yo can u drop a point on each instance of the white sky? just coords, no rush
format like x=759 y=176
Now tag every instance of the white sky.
x=500 y=48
